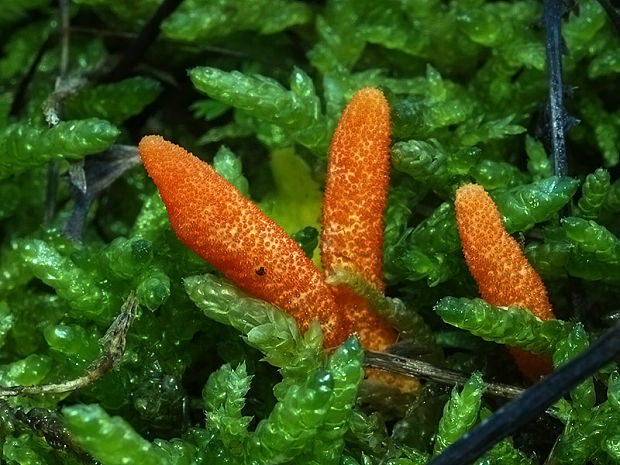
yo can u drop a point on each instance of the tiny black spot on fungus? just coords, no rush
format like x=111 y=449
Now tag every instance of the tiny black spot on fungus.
x=261 y=271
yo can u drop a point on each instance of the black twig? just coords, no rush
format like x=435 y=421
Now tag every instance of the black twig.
x=557 y=114
x=20 y=94
x=419 y=369
x=90 y=178
x=532 y=402
x=140 y=45
x=51 y=111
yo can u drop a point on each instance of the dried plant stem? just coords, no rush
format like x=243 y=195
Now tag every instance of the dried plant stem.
x=48 y=425
x=52 y=105
x=92 y=176
x=113 y=343
x=418 y=369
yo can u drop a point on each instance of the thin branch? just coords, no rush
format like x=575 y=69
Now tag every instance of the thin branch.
x=94 y=175
x=190 y=48
x=557 y=114
x=418 y=369
x=133 y=36
x=147 y=36
x=612 y=11
x=99 y=32
x=45 y=423
x=65 y=86
x=20 y=94
x=113 y=343
x=532 y=402
x=51 y=115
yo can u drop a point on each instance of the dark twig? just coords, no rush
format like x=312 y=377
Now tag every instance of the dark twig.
x=613 y=11
x=556 y=114
x=193 y=48
x=93 y=176
x=113 y=343
x=532 y=402
x=45 y=423
x=140 y=45
x=418 y=369
x=50 y=192
x=51 y=110
x=20 y=94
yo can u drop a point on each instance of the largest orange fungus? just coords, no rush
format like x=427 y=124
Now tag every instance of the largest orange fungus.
x=222 y=226
x=496 y=261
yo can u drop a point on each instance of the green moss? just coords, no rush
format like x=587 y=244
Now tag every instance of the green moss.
x=27 y=146
x=467 y=85
x=459 y=414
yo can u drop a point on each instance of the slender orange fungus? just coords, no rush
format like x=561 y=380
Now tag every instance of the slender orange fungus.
x=353 y=207
x=496 y=261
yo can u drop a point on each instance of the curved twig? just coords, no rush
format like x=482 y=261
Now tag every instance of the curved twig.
x=113 y=349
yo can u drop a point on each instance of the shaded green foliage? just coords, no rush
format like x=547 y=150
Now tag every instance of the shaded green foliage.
x=594 y=193
x=583 y=396
x=294 y=421
x=297 y=111
x=579 y=247
x=467 y=85
x=228 y=165
x=224 y=398
x=199 y=20
x=264 y=326
x=110 y=440
x=115 y=102
x=13 y=11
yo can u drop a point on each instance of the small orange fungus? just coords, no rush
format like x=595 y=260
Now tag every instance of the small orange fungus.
x=496 y=261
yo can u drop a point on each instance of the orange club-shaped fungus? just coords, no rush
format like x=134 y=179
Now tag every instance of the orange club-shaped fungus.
x=496 y=261
x=211 y=217
x=353 y=206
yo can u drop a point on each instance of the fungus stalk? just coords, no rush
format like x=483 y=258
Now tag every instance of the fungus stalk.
x=496 y=261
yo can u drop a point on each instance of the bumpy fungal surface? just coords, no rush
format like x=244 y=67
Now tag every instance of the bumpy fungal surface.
x=217 y=222
x=496 y=261
x=356 y=188
x=355 y=199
